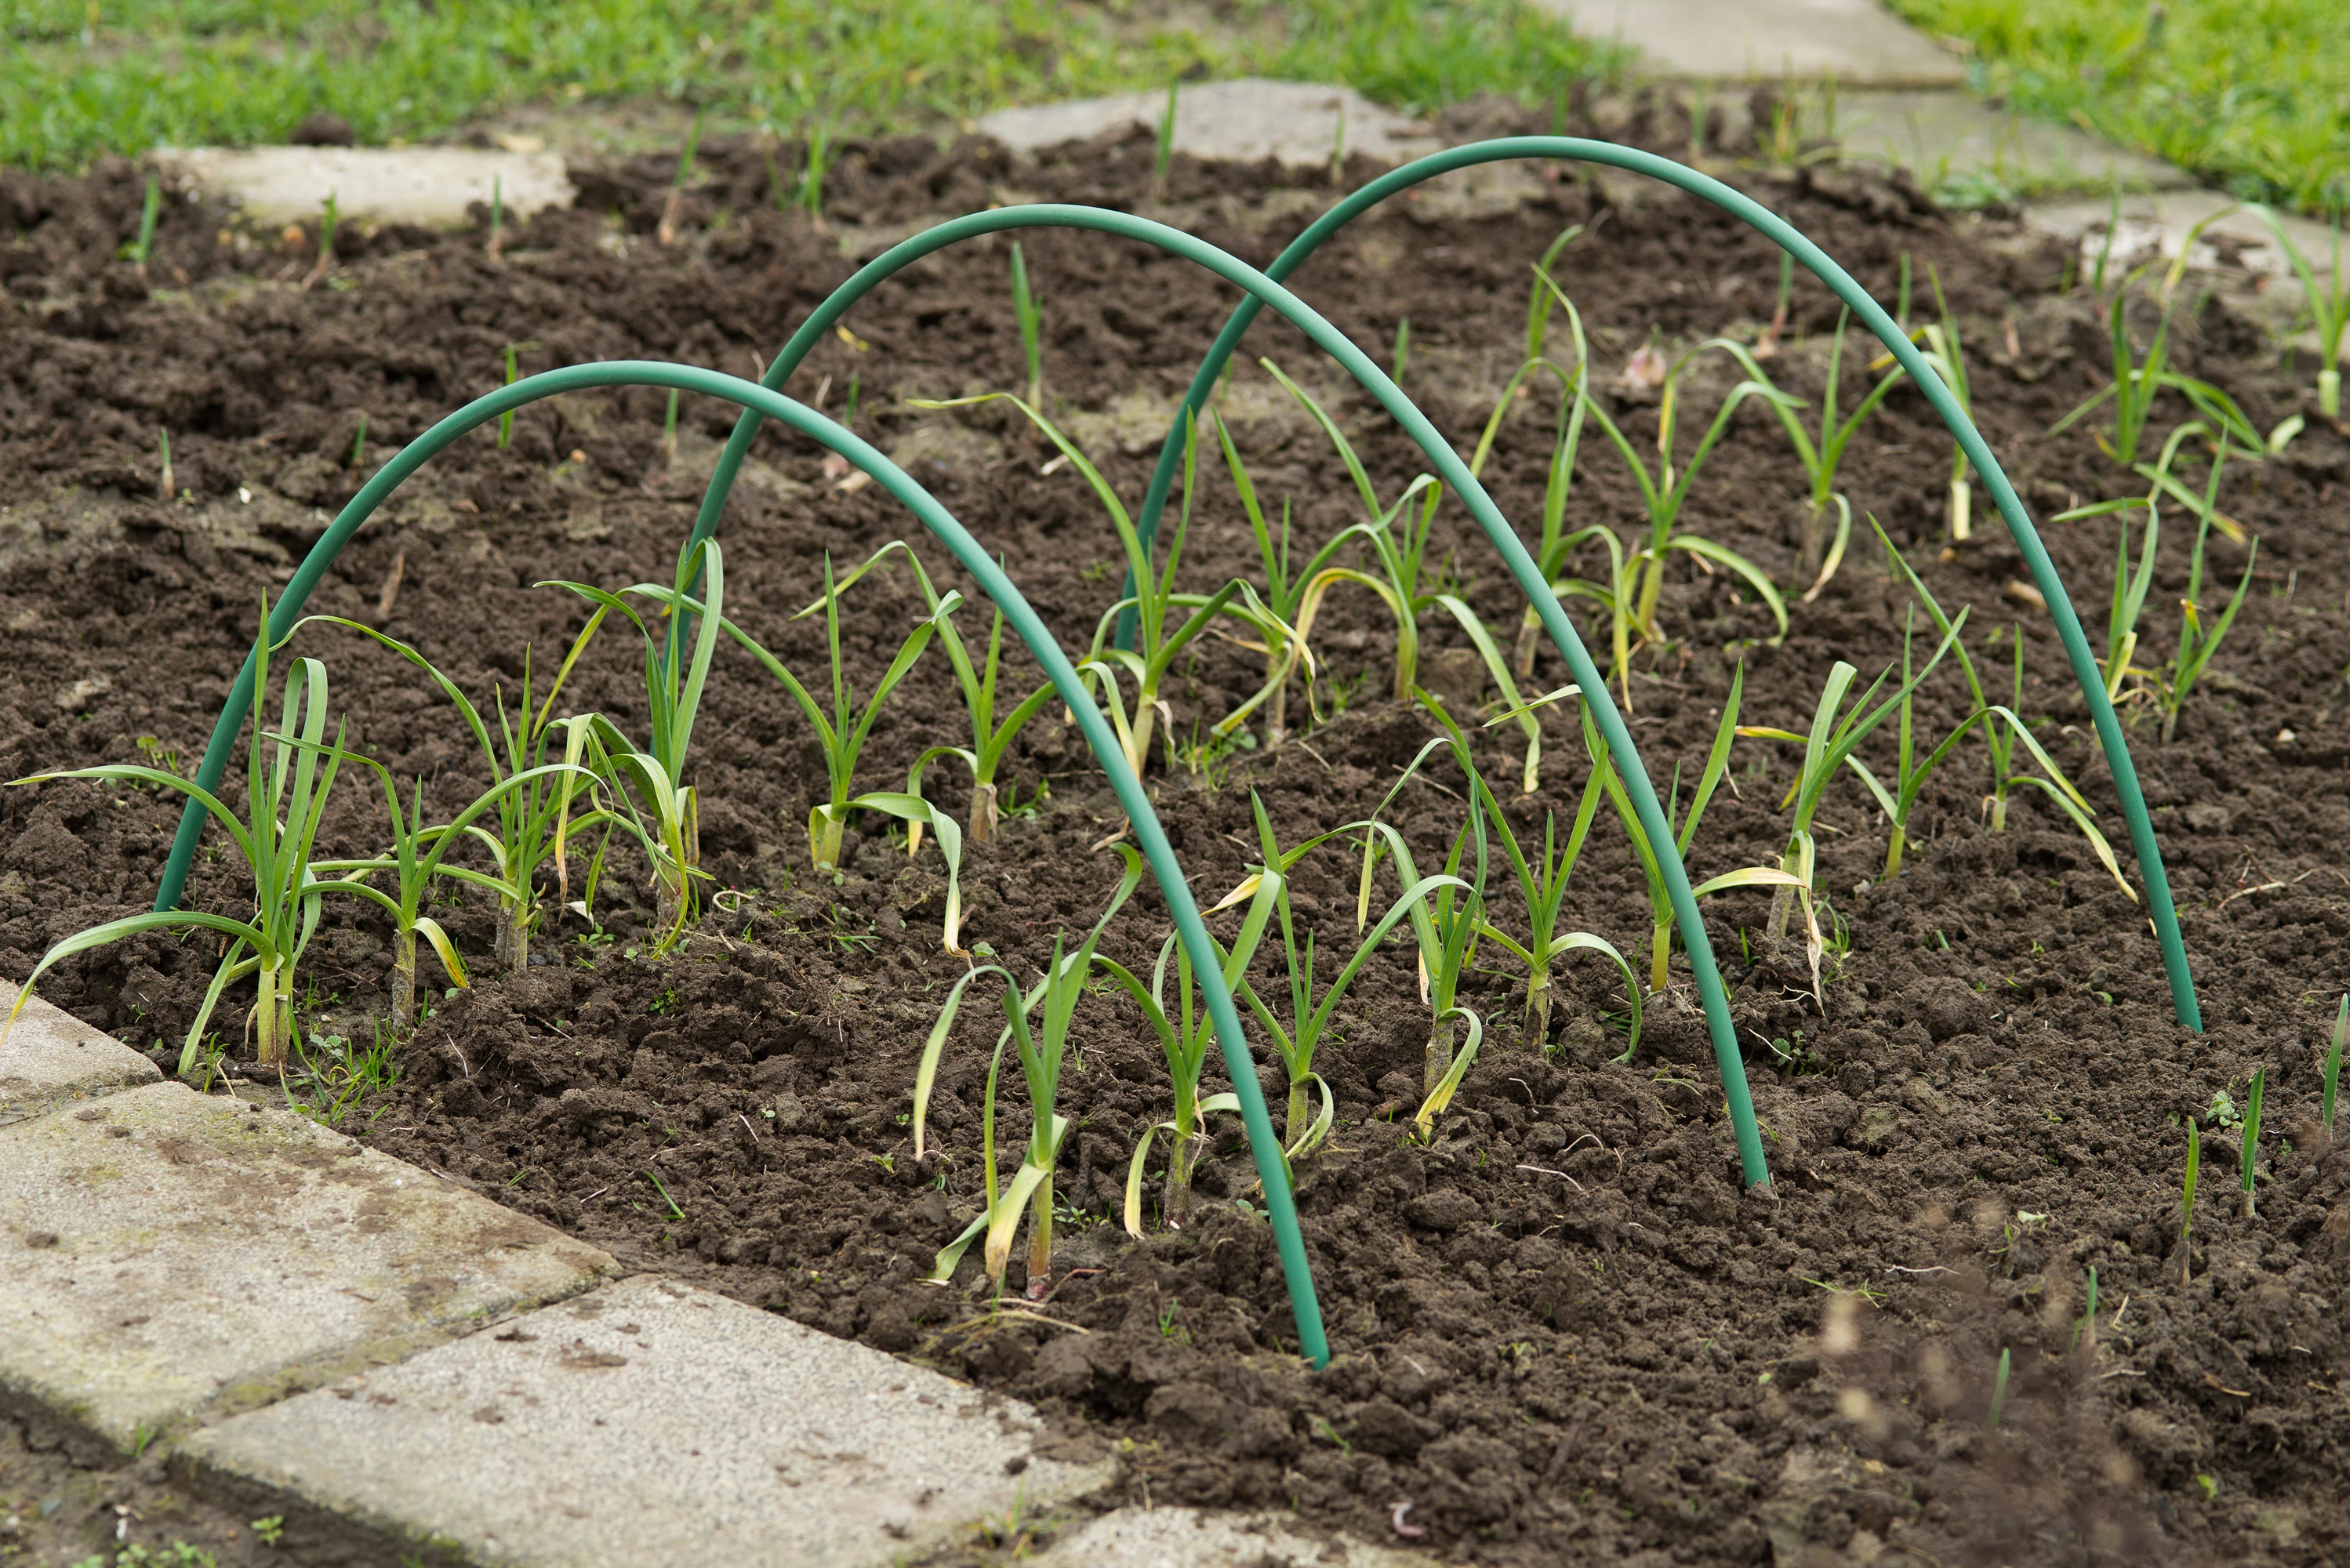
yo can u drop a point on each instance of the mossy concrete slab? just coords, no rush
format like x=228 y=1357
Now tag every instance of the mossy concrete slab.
x=1195 y=1538
x=166 y=1255
x=48 y=1057
x=643 y=1425
x=432 y=187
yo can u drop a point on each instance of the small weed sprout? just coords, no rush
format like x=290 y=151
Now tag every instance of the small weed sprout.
x=2332 y=1072
x=2186 y=1199
x=666 y=231
x=1165 y=151
x=326 y=261
x=139 y=248
x=1999 y=1389
x=165 y=480
x=1401 y=360
x=819 y=159
x=2249 y=1157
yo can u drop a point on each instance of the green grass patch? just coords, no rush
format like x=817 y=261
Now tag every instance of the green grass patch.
x=78 y=77
x=2253 y=93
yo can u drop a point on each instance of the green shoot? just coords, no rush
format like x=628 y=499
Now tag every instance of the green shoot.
x=1039 y=1052
x=1402 y=357
x=2334 y=1064
x=1947 y=355
x=1834 y=734
x=1309 y=1019
x=2170 y=683
x=848 y=407
x=654 y=774
x=2136 y=383
x=1283 y=588
x=1023 y=310
x=1661 y=907
x=669 y=426
x=1557 y=545
x=2187 y=1199
x=1666 y=490
x=1399 y=559
x=2087 y=1329
x=666 y=230
x=1445 y=924
x=138 y=249
x=286 y=792
x=1822 y=455
x=529 y=819
x=1998 y=1389
x=1542 y=882
x=2001 y=739
x=842 y=736
x=358 y=443
x=812 y=176
x=1910 y=772
x=165 y=486
x=325 y=245
x=416 y=858
x=2247 y=1157
x=497 y=215
x=2329 y=307
x=1159 y=637
x=990 y=740
x=1166 y=151
x=1183 y=1040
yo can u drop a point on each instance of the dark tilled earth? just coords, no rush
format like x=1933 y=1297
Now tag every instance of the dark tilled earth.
x=1562 y=1334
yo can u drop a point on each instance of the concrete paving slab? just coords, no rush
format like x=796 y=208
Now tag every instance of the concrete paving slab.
x=1190 y=1538
x=166 y=1255
x=1748 y=41
x=430 y=186
x=1242 y=120
x=48 y=1057
x=1943 y=135
x=644 y=1425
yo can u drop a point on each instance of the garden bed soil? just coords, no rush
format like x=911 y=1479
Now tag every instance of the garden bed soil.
x=1562 y=1334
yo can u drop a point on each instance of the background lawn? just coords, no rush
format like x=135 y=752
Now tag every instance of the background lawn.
x=78 y=77
x=2253 y=94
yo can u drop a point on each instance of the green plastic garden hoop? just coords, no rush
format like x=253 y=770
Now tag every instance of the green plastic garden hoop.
x=1754 y=1170
x=2143 y=845
x=1264 y=1146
